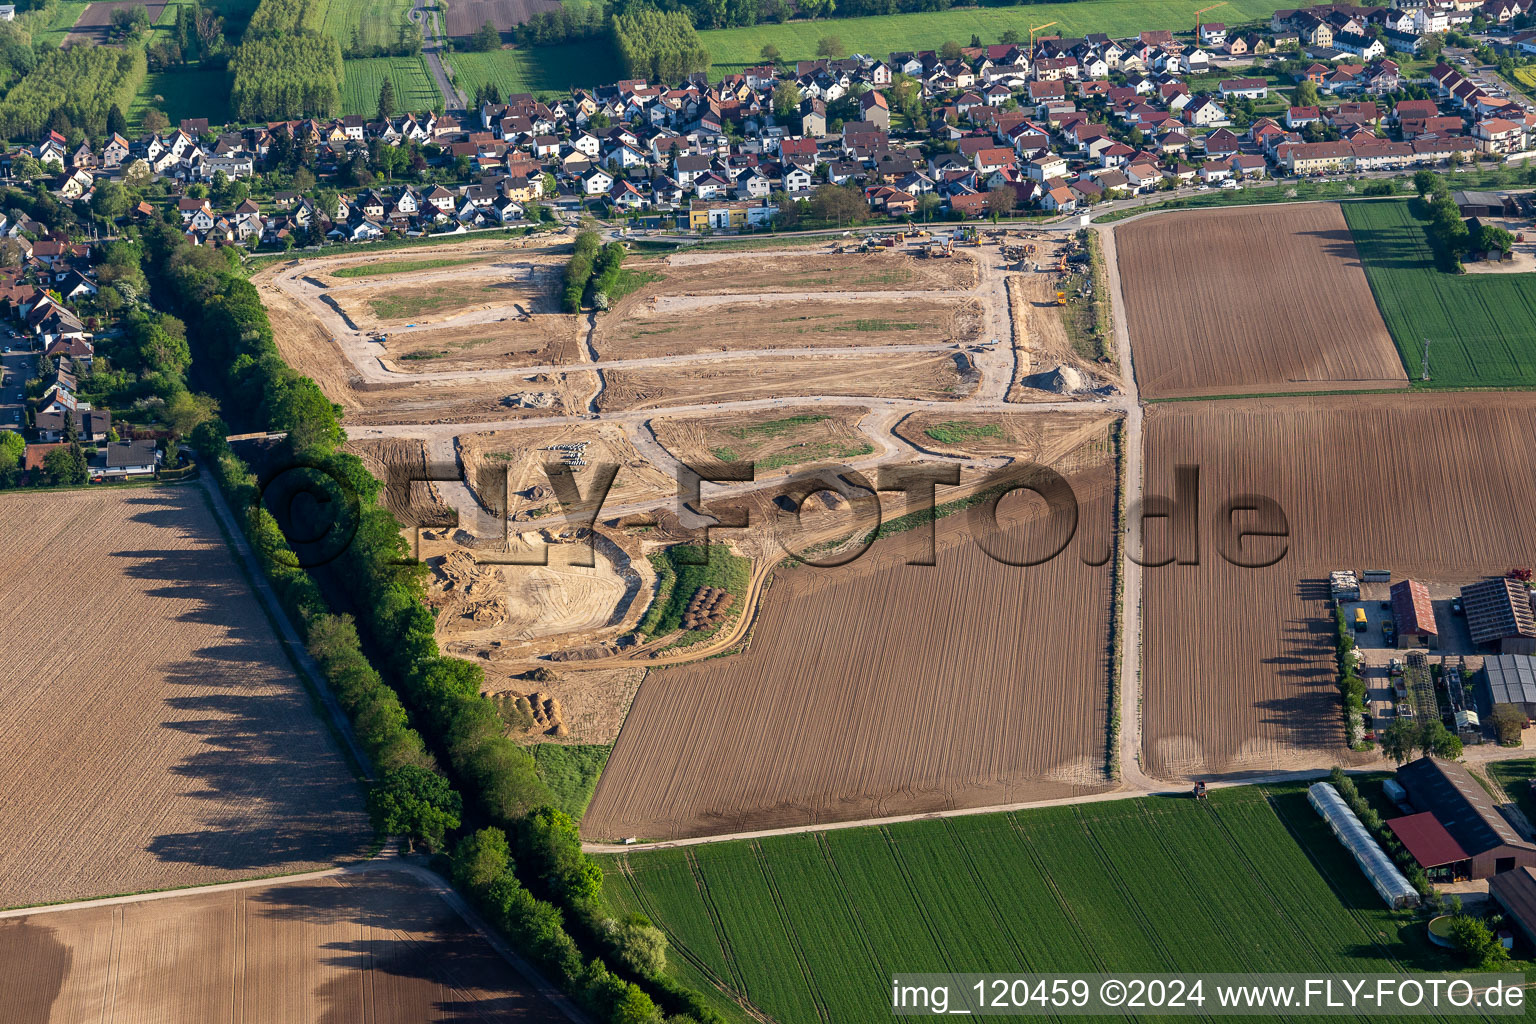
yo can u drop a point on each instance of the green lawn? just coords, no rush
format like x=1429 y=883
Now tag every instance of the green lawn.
x=178 y=94
x=64 y=17
x=414 y=88
x=814 y=925
x=1516 y=778
x=570 y=772
x=878 y=36
x=542 y=70
x=1481 y=327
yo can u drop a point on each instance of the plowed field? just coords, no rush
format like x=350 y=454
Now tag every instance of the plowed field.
x=153 y=735
x=1255 y=300
x=882 y=688
x=1239 y=671
x=376 y=947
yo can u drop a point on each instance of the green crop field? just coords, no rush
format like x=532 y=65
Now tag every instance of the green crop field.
x=537 y=70
x=558 y=68
x=813 y=926
x=414 y=88
x=1481 y=327
x=735 y=47
x=359 y=25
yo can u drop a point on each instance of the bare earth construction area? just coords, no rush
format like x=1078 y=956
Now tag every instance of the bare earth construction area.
x=883 y=688
x=1253 y=300
x=145 y=687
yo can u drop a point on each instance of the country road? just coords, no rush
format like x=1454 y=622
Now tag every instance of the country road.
x=430 y=20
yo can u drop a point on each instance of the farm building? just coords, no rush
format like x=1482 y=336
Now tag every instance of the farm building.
x=1479 y=204
x=1499 y=614
x=1396 y=890
x=1414 y=615
x=1515 y=891
x=1511 y=679
x=1463 y=808
x=1433 y=848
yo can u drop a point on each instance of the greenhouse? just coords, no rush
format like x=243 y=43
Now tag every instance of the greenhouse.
x=1373 y=860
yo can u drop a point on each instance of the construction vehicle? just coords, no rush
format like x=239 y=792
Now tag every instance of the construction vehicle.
x=1061 y=298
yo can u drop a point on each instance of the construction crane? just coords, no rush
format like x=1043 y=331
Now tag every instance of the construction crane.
x=1202 y=11
x=1032 y=32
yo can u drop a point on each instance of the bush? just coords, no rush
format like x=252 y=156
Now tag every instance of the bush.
x=1507 y=721
x=578 y=271
x=1478 y=946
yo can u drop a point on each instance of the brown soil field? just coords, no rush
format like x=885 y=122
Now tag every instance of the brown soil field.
x=882 y=688
x=466 y=16
x=95 y=22
x=1044 y=439
x=593 y=701
x=306 y=346
x=730 y=274
x=406 y=459
x=349 y=949
x=396 y=299
x=1239 y=666
x=639 y=330
x=513 y=460
x=484 y=606
x=154 y=735
x=774 y=441
x=924 y=375
x=542 y=340
x=1251 y=300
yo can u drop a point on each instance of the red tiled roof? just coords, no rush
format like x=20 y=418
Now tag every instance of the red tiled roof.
x=1427 y=839
x=1412 y=610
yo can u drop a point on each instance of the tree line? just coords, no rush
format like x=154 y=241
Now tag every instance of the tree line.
x=1449 y=235
x=657 y=45
x=285 y=68
x=389 y=673
x=82 y=83
x=592 y=273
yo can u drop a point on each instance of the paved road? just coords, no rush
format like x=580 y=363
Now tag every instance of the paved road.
x=18 y=366
x=432 y=49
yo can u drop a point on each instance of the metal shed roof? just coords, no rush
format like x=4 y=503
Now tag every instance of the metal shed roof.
x=1512 y=678
x=1498 y=608
x=1461 y=805
x=1427 y=839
